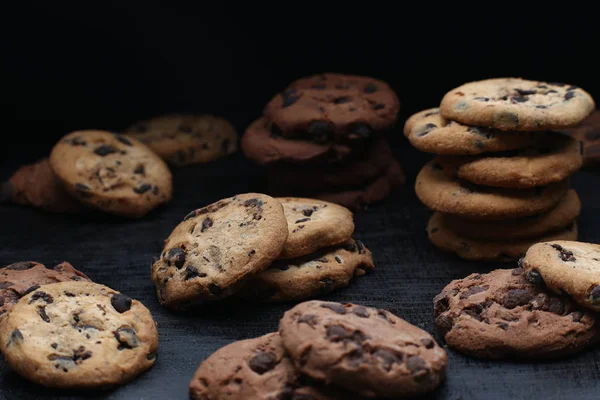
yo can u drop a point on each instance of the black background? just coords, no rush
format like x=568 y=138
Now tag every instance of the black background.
x=70 y=66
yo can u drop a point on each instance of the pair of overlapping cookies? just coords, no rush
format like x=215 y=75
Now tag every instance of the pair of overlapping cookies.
x=60 y=329
x=324 y=137
x=326 y=351
x=500 y=179
x=261 y=248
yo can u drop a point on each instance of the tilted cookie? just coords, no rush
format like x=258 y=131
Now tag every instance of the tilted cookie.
x=515 y=104
x=78 y=335
x=210 y=254
x=362 y=349
x=501 y=315
x=588 y=132
x=113 y=173
x=566 y=266
x=185 y=139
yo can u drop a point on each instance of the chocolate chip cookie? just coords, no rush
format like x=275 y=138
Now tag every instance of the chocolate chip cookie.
x=215 y=248
x=566 y=266
x=514 y=104
x=362 y=349
x=78 y=335
x=505 y=250
x=588 y=132
x=110 y=172
x=449 y=195
x=502 y=315
x=185 y=139
x=429 y=132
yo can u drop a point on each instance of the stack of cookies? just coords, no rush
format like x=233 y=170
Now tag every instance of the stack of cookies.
x=323 y=137
x=259 y=248
x=326 y=351
x=500 y=179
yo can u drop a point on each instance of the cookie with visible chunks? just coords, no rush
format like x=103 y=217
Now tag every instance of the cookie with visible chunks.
x=110 y=172
x=566 y=266
x=78 y=335
x=21 y=278
x=507 y=250
x=502 y=315
x=588 y=133
x=365 y=350
x=312 y=275
x=216 y=248
x=429 y=132
x=442 y=193
x=331 y=105
x=185 y=139
x=515 y=104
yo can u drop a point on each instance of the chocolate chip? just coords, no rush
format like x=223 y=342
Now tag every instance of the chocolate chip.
x=370 y=88
x=309 y=319
x=388 y=358
x=5 y=285
x=335 y=307
x=39 y=295
x=342 y=100
x=140 y=169
x=351 y=247
x=81 y=186
x=362 y=130
x=253 y=203
x=481 y=98
x=308 y=212
x=360 y=246
x=263 y=362
x=535 y=277
x=15 y=336
x=425 y=129
x=428 y=343
x=54 y=345
x=569 y=95
x=577 y=316
x=69 y=294
x=360 y=311
x=207 y=223
x=415 y=364
x=150 y=356
x=339 y=260
x=42 y=313
x=525 y=92
x=503 y=325
x=214 y=289
x=104 y=150
x=191 y=273
x=473 y=313
x=31 y=289
x=251 y=252
x=123 y=140
x=517 y=297
x=289 y=97
x=126 y=337
x=378 y=106
x=120 y=302
x=551 y=91
x=337 y=333
x=175 y=257
x=21 y=266
x=564 y=254
x=595 y=294
x=556 y=306
x=142 y=188
x=506 y=118
x=384 y=314
x=518 y=99
x=326 y=283
x=541 y=106
x=302 y=220
x=321 y=130
x=473 y=290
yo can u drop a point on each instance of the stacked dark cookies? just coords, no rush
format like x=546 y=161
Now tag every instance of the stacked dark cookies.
x=500 y=179
x=323 y=138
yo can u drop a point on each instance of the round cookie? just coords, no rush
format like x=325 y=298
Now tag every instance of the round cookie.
x=588 y=132
x=566 y=266
x=310 y=276
x=501 y=315
x=558 y=218
x=110 y=172
x=507 y=250
x=449 y=195
x=215 y=248
x=21 y=278
x=334 y=105
x=78 y=335
x=429 y=132
x=515 y=104
x=314 y=224
x=185 y=139
x=365 y=350
x=559 y=158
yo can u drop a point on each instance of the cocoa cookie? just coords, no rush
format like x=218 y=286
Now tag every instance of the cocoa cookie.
x=21 y=278
x=113 y=173
x=502 y=315
x=314 y=224
x=362 y=349
x=449 y=195
x=557 y=219
x=78 y=335
x=566 y=266
x=507 y=250
x=514 y=104
x=429 y=132
x=184 y=139
x=310 y=276
x=334 y=105
x=553 y=161
x=215 y=248
x=35 y=185
x=588 y=132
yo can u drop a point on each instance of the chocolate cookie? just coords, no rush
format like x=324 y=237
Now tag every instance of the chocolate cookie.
x=334 y=105
x=588 y=132
x=21 y=278
x=312 y=275
x=215 y=248
x=113 y=173
x=555 y=160
x=78 y=335
x=449 y=195
x=507 y=250
x=501 y=315
x=557 y=219
x=362 y=349
x=566 y=266
x=514 y=104
x=184 y=139
x=429 y=132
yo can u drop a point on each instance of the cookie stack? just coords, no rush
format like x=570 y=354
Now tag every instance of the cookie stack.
x=500 y=179
x=326 y=350
x=323 y=137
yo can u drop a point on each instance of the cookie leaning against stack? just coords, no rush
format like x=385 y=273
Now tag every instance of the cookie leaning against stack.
x=501 y=165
